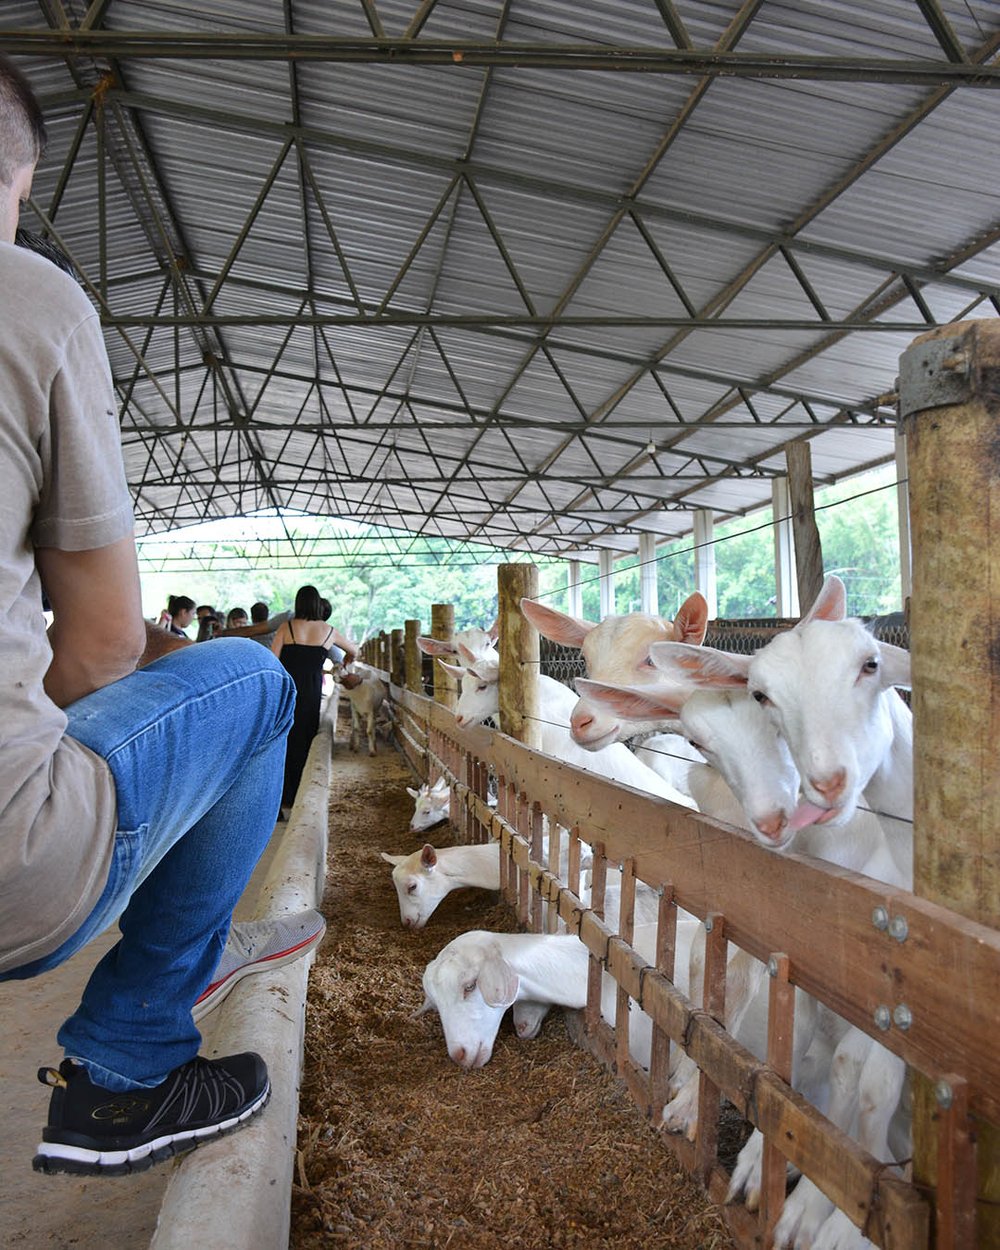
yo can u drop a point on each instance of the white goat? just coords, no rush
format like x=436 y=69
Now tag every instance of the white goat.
x=431 y=805
x=476 y=641
x=365 y=692
x=423 y=878
x=828 y=686
x=616 y=651
x=478 y=975
x=480 y=699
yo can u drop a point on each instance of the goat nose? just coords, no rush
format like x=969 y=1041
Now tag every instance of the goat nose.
x=458 y=1054
x=772 y=826
x=831 y=787
x=578 y=723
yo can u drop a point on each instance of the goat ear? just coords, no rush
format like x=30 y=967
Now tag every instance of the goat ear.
x=439 y=785
x=498 y=981
x=414 y=794
x=456 y=670
x=831 y=602
x=630 y=701
x=895 y=665
x=433 y=646
x=494 y=630
x=691 y=621
x=699 y=666
x=465 y=654
x=555 y=625
x=392 y=859
x=428 y=857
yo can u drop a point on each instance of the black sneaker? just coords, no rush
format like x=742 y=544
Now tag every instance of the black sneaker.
x=94 y=1131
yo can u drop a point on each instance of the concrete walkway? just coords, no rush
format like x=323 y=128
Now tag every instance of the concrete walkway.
x=231 y=1195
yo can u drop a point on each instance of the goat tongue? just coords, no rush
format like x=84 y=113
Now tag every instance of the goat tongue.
x=808 y=814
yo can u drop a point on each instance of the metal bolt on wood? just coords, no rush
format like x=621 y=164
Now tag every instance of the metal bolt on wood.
x=902 y=1016
x=883 y=1018
x=898 y=928
x=880 y=919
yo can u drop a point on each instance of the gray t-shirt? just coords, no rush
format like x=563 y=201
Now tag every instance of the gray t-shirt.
x=62 y=485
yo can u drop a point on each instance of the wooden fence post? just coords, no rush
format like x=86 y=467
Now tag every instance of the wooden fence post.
x=396 y=653
x=414 y=658
x=519 y=654
x=442 y=628
x=808 y=550
x=949 y=406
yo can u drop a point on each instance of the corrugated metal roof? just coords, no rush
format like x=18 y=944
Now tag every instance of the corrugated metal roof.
x=462 y=298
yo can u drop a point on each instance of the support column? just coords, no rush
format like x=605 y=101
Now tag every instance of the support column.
x=442 y=628
x=414 y=658
x=704 y=559
x=903 y=512
x=949 y=401
x=649 y=596
x=606 y=571
x=808 y=550
x=519 y=654
x=785 y=579
x=575 y=590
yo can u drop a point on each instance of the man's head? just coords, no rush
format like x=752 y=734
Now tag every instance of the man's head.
x=258 y=612
x=22 y=141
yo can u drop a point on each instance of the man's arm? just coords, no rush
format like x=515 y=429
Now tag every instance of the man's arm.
x=98 y=633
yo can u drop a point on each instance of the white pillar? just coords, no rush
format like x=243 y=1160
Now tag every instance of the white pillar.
x=574 y=590
x=649 y=598
x=704 y=559
x=785 y=578
x=606 y=567
x=903 y=511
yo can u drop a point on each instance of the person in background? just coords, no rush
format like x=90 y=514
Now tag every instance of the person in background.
x=262 y=627
x=209 y=625
x=302 y=645
x=111 y=808
x=177 y=616
x=235 y=618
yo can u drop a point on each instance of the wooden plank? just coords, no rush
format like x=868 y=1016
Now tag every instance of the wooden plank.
x=955 y=1225
x=780 y=1031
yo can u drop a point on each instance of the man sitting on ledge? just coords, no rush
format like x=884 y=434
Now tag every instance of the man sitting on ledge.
x=138 y=794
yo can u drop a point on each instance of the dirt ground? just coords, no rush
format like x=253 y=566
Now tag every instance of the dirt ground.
x=398 y=1146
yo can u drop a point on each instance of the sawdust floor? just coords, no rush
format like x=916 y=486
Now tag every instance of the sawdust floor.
x=398 y=1146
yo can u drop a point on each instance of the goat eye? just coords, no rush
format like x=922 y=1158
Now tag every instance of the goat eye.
x=482 y=688
x=762 y=698
x=697 y=745
x=468 y=988
x=870 y=665
x=411 y=888
x=647 y=662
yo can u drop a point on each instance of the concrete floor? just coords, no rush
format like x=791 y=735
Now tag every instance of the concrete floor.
x=48 y=1212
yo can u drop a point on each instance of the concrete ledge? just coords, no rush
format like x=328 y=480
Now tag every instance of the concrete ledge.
x=235 y=1194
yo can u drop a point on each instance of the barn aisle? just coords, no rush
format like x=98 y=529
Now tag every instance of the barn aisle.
x=398 y=1147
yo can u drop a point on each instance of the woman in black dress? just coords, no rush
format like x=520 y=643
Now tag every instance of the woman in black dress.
x=301 y=645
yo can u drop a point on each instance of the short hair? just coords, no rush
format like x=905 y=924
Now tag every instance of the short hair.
x=234 y=616
x=258 y=612
x=32 y=242
x=307 y=604
x=179 y=603
x=206 y=608
x=22 y=127
x=325 y=609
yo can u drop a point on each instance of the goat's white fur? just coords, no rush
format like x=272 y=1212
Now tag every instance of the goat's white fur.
x=365 y=692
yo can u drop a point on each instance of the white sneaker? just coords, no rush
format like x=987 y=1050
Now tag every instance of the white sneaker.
x=257 y=945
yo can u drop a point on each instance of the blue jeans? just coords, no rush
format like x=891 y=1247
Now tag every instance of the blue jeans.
x=196 y=745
